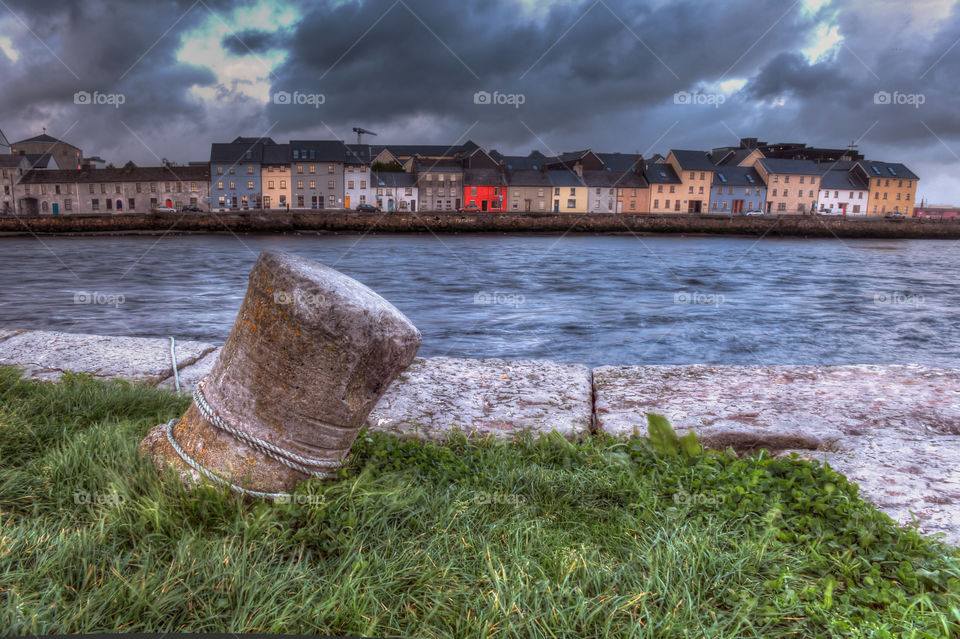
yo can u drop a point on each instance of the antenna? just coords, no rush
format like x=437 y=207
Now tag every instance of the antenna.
x=359 y=131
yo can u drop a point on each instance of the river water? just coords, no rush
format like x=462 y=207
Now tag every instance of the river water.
x=578 y=298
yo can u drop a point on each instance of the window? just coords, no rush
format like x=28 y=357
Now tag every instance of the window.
x=330 y=169
x=139 y=190
x=95 y=204
x=103 y=188
x=132 y=203
x=693 y=175
x=219 y=186
x=233 y=171
x=250 y=186
x=44 y=206
x=249 y=169
x=179 y=187
x=776 y=178
x=691 y=190
x=556 y=191
x=701 y=191
x=313 y=168
x=774 y=193
x=300 y=201
x=67 y=204
x=166 y=187
x=702 y=175
x=672 y=188
x=299 y=169
x=633 y=193
x=330 y=185
x=313 y=184
x=283 y=184
x=782 y=206
x=656 y=204
x=219 y=172
x=109 y=204
x=408 y=192
x=233 y=186
x=571 y=204
x=666 y=204
x=659 y=188
x=269 y=184
x=573 y=191
x=350 y=184
x=786 y=179
x=539 y=192
x=633 y=205
x=473 y=191
x=363 y=184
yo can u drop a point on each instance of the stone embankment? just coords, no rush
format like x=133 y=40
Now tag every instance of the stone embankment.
x=894 y=430
x=448 y=222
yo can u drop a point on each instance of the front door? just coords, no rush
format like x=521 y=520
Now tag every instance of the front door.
x=737 y=206
x=483 y=205
x=527 y=204
x=556 y=206
x=56 y=208
x=390 y=204
x=346 y=202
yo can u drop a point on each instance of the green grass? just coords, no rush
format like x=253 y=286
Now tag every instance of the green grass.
x=474 y=539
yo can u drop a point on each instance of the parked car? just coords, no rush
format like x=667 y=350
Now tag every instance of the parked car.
x=366 y=208
x=473 y=208
x=164 y=209
x=192 y=209
x=896 y=215
x=752 y=212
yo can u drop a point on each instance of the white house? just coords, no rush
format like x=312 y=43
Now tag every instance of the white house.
x=842 y=192
x=357 y=185
x=395 y=191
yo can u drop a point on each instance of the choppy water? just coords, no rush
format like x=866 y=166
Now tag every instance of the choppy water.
x=588 y=299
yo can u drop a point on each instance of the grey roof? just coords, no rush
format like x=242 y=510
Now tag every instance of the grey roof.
x=431 y=150
x=44 y=138
x=527 y=177
x=730 y=157
x=607 y=179
x=693 y=160
x=737 y=176
x=40 y=160
x=632 y=180
x=252 y=140
x=235 y=152
x=276 y=154
x=520 y=162
x=846 y=165
x=842 y=179
x=10 y=160
x=790 y=167
x=439 y=166
x=492 y=177
x=127 y=173
x=619 y=161
x=394 y=179
x=876 y=169
x=360 y=154
x=323 y=150
x=660 y=173
x=564 y=178
x=3 y=139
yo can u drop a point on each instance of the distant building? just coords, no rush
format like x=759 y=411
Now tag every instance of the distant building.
x=633 y=191
x=4 y=144
x=529 y=189
x=843 y=192
x=12 y=167
x=892 y=186
x=738 y=155
x=665 y=187
x=695 y=171
x=66 y=155
x=317 y=173
x=130 y=189
x=236 y=173
x=395 y=191
x=792 y=185
x=569 y=191
x=358 y=187
x=937 y=211
x=275 y=176
x=439 y=184
x=484 y=182
x=737 y=189
x=601 y=191
x=94 y=162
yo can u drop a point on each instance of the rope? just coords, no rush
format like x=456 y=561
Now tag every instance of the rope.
x=173 y=358
x=285 y=457
x=208 y=474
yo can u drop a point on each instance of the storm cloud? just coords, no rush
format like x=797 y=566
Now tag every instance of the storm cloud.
x=510 y=74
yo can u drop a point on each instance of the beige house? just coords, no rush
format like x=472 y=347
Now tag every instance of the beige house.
x=665 y=188
x=275 y=176
x=793 y=186
x=130 y=189
x=695 y=171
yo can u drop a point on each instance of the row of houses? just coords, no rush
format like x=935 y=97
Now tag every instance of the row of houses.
x=259 y=173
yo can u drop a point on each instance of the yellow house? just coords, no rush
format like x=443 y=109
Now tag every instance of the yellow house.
x=695 y=171
x=665 y=188
x=569 y=194
x=893 y=187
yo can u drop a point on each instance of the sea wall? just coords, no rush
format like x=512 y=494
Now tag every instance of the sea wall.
x=894 y=430
x=443 y=222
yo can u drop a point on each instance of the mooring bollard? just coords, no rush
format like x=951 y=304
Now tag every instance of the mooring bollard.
x=310 y=354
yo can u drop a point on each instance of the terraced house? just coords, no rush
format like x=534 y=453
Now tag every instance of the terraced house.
x=439 y=184
x=695 y=171
x=792 y=185
x=130 y=189
x=316 y=174
x=633 y=191
x=236 y=173
x=275 y=176
x=665 y=188
x=357 y=179
x=12 y=167
x=737 y=189
x=892 y=186
x=843 y=192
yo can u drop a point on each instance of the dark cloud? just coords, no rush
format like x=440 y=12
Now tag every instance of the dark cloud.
x=592 y=74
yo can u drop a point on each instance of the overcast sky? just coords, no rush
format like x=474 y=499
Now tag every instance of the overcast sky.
x=612 y=75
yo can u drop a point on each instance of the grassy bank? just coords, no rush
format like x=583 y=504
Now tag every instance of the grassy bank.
x=528 y=539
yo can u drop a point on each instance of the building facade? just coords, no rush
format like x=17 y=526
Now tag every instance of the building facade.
x=395 y=191
x=665 y=185
x=892 y=186
x=275 y=176
x=316 y=174
x=130 y=189
x=12 y=167
x=792 y=185
x=695 y=171
x=529 y=191
x=737 y=190
x=843 y=192
x=67 y=156
x=236 y=173
x=569 y=193
x=485 y=189
x=439 y=184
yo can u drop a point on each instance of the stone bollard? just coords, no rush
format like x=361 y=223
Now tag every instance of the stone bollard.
x=310 y=354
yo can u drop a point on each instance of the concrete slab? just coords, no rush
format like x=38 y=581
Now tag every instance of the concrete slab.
x=894 y=430
x=47 y=355
x=436 y=396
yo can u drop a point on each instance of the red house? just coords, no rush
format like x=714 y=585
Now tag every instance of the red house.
x=484 y=185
